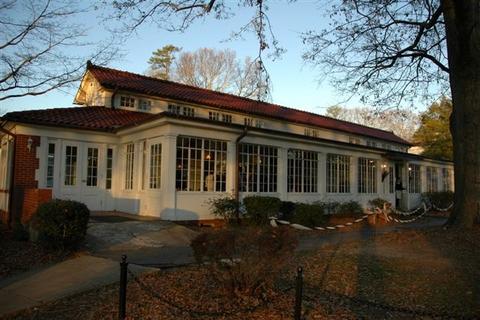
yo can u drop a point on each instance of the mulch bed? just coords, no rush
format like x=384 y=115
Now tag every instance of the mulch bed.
x=402 y=275
x=20 y=256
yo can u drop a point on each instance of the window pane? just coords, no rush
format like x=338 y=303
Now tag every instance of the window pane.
x=50 y=165
x=155 y=165
x=70 y=165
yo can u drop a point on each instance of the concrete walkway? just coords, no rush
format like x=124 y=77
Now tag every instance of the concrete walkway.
x=61 y=280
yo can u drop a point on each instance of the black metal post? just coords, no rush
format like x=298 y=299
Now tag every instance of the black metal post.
x=298 y=294
x=122 y=306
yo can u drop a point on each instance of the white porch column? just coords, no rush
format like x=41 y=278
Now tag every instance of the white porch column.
x=322 y=175
x=354 y=175
x=231 y=167
x=282 y=173
x=169 y=155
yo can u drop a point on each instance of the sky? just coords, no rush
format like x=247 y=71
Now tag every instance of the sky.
x=295 y=84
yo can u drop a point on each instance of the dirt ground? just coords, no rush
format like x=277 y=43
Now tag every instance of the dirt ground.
x=425 y=274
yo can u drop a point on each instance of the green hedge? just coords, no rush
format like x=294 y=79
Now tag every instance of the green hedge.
x=441 y=199
x=225 y=208
x=259 y=209
x=61 y=223
x=309 y=215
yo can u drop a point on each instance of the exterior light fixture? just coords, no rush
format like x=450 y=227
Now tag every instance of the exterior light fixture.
x=29 y=144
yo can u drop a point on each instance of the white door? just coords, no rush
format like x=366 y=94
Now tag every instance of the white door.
x=92 y=186
x=82 y=174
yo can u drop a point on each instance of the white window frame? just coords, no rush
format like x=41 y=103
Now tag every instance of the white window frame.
x=367 y=175
x=195 y=171
x=155 y=176
x=302 y=171
x=337 y=176
x=258 y=165
x=129 y=166
x=414 y=178
x=432 y=179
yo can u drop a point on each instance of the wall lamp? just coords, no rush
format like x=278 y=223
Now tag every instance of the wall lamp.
x=29 y=144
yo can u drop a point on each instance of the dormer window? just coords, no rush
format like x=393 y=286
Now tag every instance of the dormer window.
x=145 y=105
x=227 y=118
x=311 y=132
x=127 y=102
x=213 y=116
x=188 y=112
x=174 y=109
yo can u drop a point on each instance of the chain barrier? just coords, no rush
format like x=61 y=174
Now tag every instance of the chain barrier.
x=386 y=212
x=442 y=210
x=194 y=313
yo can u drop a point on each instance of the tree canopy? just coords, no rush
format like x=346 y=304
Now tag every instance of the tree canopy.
x=401 y=122
x=433 y=135
x=36 y=38
x=208 y=68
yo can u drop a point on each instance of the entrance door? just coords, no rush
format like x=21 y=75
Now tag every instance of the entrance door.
x=400 y=185
x=92 y=191
x=82 y=174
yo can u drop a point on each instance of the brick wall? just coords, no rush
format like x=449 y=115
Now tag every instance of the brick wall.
x=32 y=199
x=26 y=196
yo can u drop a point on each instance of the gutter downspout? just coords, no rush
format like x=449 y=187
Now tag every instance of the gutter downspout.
x=12 y=177
x=237 y=178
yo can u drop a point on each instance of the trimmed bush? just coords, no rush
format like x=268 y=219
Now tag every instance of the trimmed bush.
x=287 y=210
x=259 y=209
x=349 y=208
x=378 y=203
x=61 y=224
x=19 y=232
x=329 y=207
x=309 y=215
x=225 y=208
x=246 y=261
x=441 y=199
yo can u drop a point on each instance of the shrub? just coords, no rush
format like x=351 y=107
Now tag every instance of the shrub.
x=378 y=203
x=309 y=215
x=61 y=223
x=441 y=199
x=245 y=261
x=287 y=209
x=329 y=207
x=19 y=232
x=349 y=208
x=260 y=209
x=225 y=208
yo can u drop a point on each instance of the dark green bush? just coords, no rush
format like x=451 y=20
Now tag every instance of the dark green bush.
x=225 y=208
x=19 y=232
x=259 y=209
x=246 y=261
x=377 y=203
x=309 y=215
x=349 y=208
x=329 y=207
x=287 y=210
x=61 y=224
x=441 y=199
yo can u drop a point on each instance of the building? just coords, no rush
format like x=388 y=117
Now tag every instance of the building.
x=152 y=147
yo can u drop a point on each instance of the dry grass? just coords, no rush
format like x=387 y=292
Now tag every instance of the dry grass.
x=436 y=272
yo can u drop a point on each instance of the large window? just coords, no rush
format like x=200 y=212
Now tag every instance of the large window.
x=367 y=175
x=108 y=180
x=92 y=167
x=258 y=168
x=155 y=165
x=302 y=171
x=129 y=159
x=432 y=179
x=338 y=173
x=127 y=102
x=391 y=179
x=201 y=164
x=447 y=179
x=70 y=165
x=414 y=179
x=50 y=164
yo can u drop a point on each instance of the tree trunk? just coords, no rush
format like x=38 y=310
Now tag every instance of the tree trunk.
x=462 y=22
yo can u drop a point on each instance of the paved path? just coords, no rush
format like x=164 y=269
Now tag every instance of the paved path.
x=61 y=280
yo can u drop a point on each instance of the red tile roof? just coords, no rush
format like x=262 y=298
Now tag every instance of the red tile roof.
x=92 y=118
x=122 y=80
